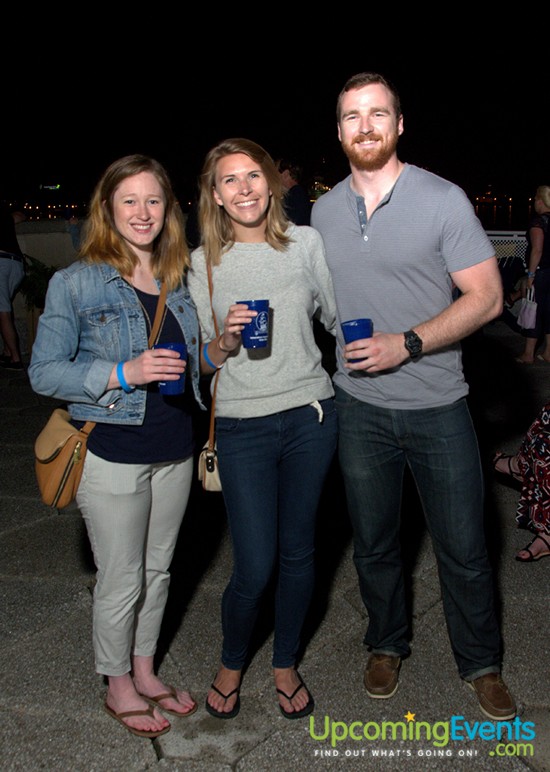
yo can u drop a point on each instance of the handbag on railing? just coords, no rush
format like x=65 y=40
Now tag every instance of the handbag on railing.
x=208 y=471
x=60 y=448
x=527 y=316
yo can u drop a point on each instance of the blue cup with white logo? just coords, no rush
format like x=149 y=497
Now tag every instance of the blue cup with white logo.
x=357 y=329
x=256 y=333
x=171 y=388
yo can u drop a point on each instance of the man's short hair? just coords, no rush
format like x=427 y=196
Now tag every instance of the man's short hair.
x=366 y=79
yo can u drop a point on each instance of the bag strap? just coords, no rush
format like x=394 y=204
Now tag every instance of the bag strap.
x=211 y=292
x=89 y=425
x=158 y=313
x=211 y=440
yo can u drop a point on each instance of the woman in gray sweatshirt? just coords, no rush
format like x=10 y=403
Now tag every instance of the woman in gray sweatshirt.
x=276 y=424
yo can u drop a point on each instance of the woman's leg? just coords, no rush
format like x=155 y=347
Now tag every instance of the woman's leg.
x=248 y=458
x=541 y=285
x=544 y=291
x=115 y=501
x=306 y=454
x=528 y=355
x=170 y=485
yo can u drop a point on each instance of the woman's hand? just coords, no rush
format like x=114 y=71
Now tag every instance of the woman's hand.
x=159 y=364
x=525 y=284
x=237 y=316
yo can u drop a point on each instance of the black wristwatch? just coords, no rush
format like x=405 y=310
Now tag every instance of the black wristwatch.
x=413 y=344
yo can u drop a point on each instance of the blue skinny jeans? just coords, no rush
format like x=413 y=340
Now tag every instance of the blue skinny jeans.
x=440 y=447
x=272 y=470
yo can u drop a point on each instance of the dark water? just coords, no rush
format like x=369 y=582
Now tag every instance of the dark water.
x=497 y=217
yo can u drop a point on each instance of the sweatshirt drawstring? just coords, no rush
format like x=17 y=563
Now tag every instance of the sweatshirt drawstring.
x=319 y=409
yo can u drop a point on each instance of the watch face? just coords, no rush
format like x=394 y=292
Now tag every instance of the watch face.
x=413 y=344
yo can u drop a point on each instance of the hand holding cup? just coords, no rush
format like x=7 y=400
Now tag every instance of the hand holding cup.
x=172 y=386
x=357 y=329
x=255 y=334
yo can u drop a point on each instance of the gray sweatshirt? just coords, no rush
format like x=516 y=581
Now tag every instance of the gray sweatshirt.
x=297 y=283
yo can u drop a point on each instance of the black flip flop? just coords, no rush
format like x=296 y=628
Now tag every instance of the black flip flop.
x=305 y=710
x=220 y=713
x=508 y=459
x=532 y=557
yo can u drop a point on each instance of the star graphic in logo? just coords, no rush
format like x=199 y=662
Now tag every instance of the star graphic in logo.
x=410 y=716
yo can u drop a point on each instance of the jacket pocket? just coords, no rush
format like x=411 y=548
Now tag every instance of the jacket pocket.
x=105 y=329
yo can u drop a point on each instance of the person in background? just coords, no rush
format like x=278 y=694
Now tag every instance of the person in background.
x=538 y=276
x=399 y=240
x=296 y=201
x=530 y=468
x=92 y=350
x=275 y=418
x=12 y=273
x=74 y=229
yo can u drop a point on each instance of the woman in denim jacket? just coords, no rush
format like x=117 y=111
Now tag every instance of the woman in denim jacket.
x=92 y=350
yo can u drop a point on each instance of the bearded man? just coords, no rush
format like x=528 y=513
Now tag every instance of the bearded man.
x=400 y=241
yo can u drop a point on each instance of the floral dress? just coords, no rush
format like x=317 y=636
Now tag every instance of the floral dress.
x=533 y=510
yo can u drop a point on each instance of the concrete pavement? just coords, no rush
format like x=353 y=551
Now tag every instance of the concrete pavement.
x=50 y=697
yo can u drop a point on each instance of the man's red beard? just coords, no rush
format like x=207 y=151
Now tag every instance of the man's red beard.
x=370 y=159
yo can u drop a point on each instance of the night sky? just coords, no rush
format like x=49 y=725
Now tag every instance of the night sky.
x=469 y=125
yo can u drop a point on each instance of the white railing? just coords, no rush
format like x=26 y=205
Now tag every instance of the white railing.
x=508 y=245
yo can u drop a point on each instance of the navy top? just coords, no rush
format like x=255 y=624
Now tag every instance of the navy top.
x=540 y=221
x=167 y=430
x=297 y=205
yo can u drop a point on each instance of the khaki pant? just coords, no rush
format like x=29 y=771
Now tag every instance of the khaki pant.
x=133 y=514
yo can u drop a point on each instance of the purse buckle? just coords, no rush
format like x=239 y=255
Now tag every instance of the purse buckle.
x=210 y=460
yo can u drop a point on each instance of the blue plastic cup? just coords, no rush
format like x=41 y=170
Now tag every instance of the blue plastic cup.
x=256 y=333
x=171 y=388
x=356 y=329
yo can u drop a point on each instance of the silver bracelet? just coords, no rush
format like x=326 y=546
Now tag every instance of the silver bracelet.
x=225 y=351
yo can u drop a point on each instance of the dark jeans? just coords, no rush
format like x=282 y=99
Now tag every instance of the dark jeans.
x=440 y=447
x=272 y=471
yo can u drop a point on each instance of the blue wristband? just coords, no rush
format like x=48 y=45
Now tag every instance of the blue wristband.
x=122 y=379
x=207 y=359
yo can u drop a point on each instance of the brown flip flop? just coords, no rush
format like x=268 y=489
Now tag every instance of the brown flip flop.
x=171 y=694
x=139 y=732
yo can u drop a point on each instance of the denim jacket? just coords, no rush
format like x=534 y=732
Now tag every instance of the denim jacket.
x=91 y=321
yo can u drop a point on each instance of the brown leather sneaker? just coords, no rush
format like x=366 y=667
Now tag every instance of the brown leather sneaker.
x=495 y=700
x=381 y=676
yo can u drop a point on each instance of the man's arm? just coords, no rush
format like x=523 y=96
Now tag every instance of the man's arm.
x=479 y=302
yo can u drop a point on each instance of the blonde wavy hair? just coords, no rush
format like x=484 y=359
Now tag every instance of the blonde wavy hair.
x=102 y=243
x=215 y=224
x=543 y=192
